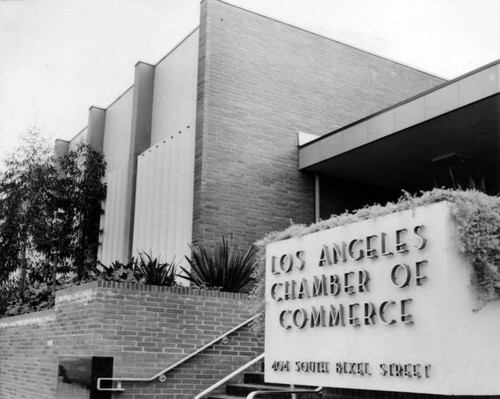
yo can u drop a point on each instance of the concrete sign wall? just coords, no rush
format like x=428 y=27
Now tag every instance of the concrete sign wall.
x=383 y=304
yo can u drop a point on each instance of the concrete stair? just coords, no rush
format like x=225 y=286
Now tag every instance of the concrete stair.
x=254 y=381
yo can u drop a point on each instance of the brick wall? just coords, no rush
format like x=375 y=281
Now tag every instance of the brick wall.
x=145 y=329
x=259 y=82
x=28 y=365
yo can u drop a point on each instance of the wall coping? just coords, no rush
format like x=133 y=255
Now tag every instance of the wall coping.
x=44 y=316
x=40 y=317
x=179 y=290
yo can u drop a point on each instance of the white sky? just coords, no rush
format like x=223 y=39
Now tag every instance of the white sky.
x=59 y=57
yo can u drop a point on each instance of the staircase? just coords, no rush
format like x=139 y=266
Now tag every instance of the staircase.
x=254 y=381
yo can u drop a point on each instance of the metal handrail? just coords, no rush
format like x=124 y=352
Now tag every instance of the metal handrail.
x=228 y=377
x=161 y=375
x=253 y=394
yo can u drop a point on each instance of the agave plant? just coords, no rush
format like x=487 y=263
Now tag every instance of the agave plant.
x=152 y=271
x=228 y=269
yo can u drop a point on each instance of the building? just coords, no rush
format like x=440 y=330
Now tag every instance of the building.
x=247 y=124
x=205 y=143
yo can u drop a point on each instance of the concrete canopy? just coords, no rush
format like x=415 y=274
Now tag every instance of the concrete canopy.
x=448 y=136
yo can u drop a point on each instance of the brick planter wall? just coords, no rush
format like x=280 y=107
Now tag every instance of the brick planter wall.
x=28 y=364
x=145 y=329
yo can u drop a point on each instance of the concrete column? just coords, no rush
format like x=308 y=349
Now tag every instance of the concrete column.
x=97 y=119
x=143 y=108
x=140 y=140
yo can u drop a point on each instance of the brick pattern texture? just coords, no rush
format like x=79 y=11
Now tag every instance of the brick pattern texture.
x=145 y=329
x=28 y=365
x=261 y=81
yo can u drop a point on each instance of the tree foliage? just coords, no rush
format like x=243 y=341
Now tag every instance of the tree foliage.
x=49 y=215
x=82 y=193
x=23 y=187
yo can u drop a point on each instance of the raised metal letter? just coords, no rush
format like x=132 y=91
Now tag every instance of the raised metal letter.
x=404 y=268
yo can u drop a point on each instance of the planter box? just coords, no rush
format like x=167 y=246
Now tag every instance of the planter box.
x=383 y=304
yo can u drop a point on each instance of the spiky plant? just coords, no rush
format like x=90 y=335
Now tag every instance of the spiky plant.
x=229 y=269
x=152 y=271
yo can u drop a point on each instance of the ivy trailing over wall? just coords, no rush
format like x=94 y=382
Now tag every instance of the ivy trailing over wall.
x=477 y=217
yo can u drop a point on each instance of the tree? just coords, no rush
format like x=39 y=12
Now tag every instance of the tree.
x=83 y=192
x=49 y=213
x=22 y=185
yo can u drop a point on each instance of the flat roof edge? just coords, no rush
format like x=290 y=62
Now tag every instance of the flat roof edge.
x=352 y=46
x=408 y=100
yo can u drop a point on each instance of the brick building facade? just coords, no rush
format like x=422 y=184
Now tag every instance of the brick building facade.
x=205 y=142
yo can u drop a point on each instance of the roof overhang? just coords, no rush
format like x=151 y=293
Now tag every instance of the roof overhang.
x=421 y=142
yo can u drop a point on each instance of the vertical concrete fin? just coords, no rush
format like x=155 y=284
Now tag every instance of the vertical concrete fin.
x=142 y=109
x=95 y=135
x=140 y=140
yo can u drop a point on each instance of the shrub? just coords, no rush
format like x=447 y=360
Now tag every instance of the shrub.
x=229 y=269
x=116 y=271
x=39 y=293
x=40 y=288
x=145 y=270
